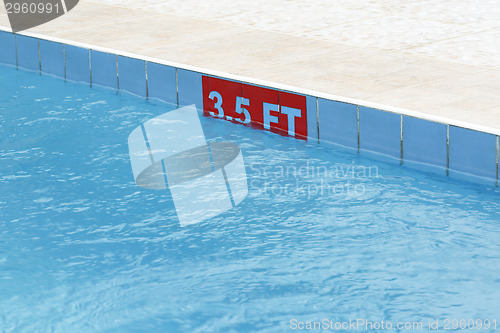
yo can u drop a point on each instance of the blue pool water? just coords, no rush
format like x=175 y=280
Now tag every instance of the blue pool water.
x=324 y=233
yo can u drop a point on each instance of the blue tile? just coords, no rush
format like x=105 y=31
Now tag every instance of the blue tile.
x=161 y=82
x=424 y=141
x=132 y=75
x=380 y=131
x=52 y=57
x=103 y=69
x=77 y=64
x=8 y=49
x=312 y=121
x=338 y=123
x=190 y=88
x=472 y=152
x=27 y=52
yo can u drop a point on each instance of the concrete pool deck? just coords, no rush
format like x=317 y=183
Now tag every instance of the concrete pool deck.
x=440 y=59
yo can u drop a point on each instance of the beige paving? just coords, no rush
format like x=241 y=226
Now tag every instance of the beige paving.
x=436 y=58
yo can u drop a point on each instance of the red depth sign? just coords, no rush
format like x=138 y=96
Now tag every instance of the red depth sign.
x=273 y=110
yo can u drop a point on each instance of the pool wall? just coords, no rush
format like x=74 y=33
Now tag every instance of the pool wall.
x=455 y=148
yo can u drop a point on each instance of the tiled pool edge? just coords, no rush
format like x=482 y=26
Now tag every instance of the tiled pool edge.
x=402 y=134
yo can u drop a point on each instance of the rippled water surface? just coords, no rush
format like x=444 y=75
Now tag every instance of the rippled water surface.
x=324 y=233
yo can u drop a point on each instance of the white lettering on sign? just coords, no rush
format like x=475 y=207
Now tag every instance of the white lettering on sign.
x=270 y=109
x=291 y=113
x=268 y=117
x=217 y=98
x=240 y=101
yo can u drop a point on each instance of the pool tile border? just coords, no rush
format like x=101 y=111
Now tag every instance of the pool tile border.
x=338 y=122
x=401 y=134
x=52 y=58
x=8 y=51
x=77 y=64
x=103 y=69
x=189 y=88
x=477 y=153
x=162 y=82
x=425 y=141
x=133 y=76
x=28 y=52
x=380 y=131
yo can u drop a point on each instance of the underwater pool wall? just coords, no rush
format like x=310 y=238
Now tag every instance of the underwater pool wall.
x=447 y=146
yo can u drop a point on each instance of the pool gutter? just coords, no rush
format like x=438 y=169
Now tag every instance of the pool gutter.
x=375 y=127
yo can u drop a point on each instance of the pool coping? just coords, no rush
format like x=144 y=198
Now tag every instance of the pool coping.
x=311 y=94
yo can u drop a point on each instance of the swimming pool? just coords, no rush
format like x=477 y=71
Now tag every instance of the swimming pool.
x=324 y=233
